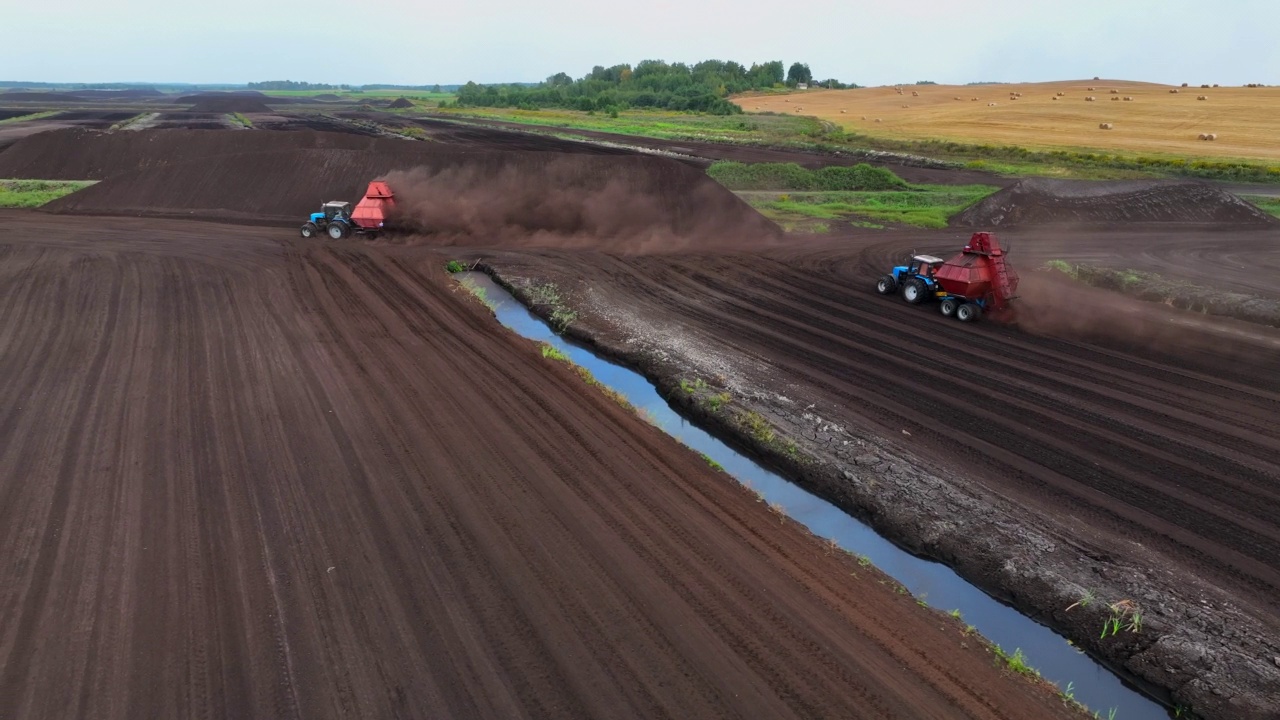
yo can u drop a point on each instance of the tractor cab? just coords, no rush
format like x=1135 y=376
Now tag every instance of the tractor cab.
x=924 y=265
x=331 y=210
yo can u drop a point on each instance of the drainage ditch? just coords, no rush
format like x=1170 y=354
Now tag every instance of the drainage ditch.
x=1091 y=682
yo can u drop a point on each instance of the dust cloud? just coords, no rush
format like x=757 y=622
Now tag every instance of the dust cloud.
x=567 y=203
x=1052 y=305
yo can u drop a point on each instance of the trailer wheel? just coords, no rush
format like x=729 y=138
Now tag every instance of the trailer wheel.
x=913 y=291
x=887 y=285
x=968 y=312
x=337 y=230
x=948 y=307
x=309 y=230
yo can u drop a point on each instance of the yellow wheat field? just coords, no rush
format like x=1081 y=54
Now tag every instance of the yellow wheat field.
x=1245 y=120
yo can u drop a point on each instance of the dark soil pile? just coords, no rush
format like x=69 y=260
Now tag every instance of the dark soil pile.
x=1039 y=201
x=128 y=94
x=79 y=154
x=197 y=97
x=48 y=97
x=230 y=105
x=400 y=104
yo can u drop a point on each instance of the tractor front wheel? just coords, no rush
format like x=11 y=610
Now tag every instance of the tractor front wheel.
x=309 y=230
x=887 y=285
x=948 y=307
x=913 y=291
x=337 y=230
x=968 y=312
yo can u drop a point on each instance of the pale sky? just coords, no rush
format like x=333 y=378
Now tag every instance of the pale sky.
x=425 y=42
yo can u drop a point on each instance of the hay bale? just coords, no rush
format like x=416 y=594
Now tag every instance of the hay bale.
x=1128 y=98
x=1211 y=136
x=1061 y=94
x=1204 y=136
x=1202 y=97
x=1114 y=98
x=877 y=119
x=972 y=99
x=991 y=104
x=1090 y=98
x=864 y=117
x=915 y=94
x=1055 y=97
x=1174 y=90
x=842 y=112
x=1115 y=91
x=1090 y=89
x=1104 y=126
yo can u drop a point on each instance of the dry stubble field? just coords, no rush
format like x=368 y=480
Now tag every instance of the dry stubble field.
x=1246 y=120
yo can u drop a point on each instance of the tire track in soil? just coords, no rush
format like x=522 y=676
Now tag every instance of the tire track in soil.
x=317 y=481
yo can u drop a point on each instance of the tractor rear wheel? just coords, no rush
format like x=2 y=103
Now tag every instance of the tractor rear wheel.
x=968 y=312
x=887 y=285
x=948 y=307
x=913 y=291
x=337 y=230
x=309 y=230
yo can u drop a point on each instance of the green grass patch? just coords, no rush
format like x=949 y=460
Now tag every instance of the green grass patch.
x=669 y=125
x=552 y=352
x=456 y=266
x=1267 y=203
x=32 y=116
x=547 y=295
x=241 y=120
x=34 y=193
x=928 y=206
x=479 y=293
x=790 y=176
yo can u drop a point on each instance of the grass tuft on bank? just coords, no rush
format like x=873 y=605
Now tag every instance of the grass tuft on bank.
x=34 y=193
x=1265 y=202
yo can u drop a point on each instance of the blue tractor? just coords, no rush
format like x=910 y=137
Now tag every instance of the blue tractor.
x=916 y=280
x=334 y=218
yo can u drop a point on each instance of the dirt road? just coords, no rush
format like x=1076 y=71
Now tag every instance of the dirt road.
x=244 y=477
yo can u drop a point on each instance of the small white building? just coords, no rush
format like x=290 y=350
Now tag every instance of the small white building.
x=802 y=86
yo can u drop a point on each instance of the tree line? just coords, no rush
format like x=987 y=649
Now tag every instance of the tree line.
x=702 y=87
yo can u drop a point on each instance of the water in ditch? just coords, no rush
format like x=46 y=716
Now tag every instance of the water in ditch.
x=1093 y=684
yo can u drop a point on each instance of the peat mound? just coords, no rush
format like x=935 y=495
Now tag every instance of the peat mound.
x=449 y=196
x=400 y=104
x=230 y=105
x=1039 y=201
x=126 y=94
x=48 y=97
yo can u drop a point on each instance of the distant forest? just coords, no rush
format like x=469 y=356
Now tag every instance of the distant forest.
x=702 y=87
